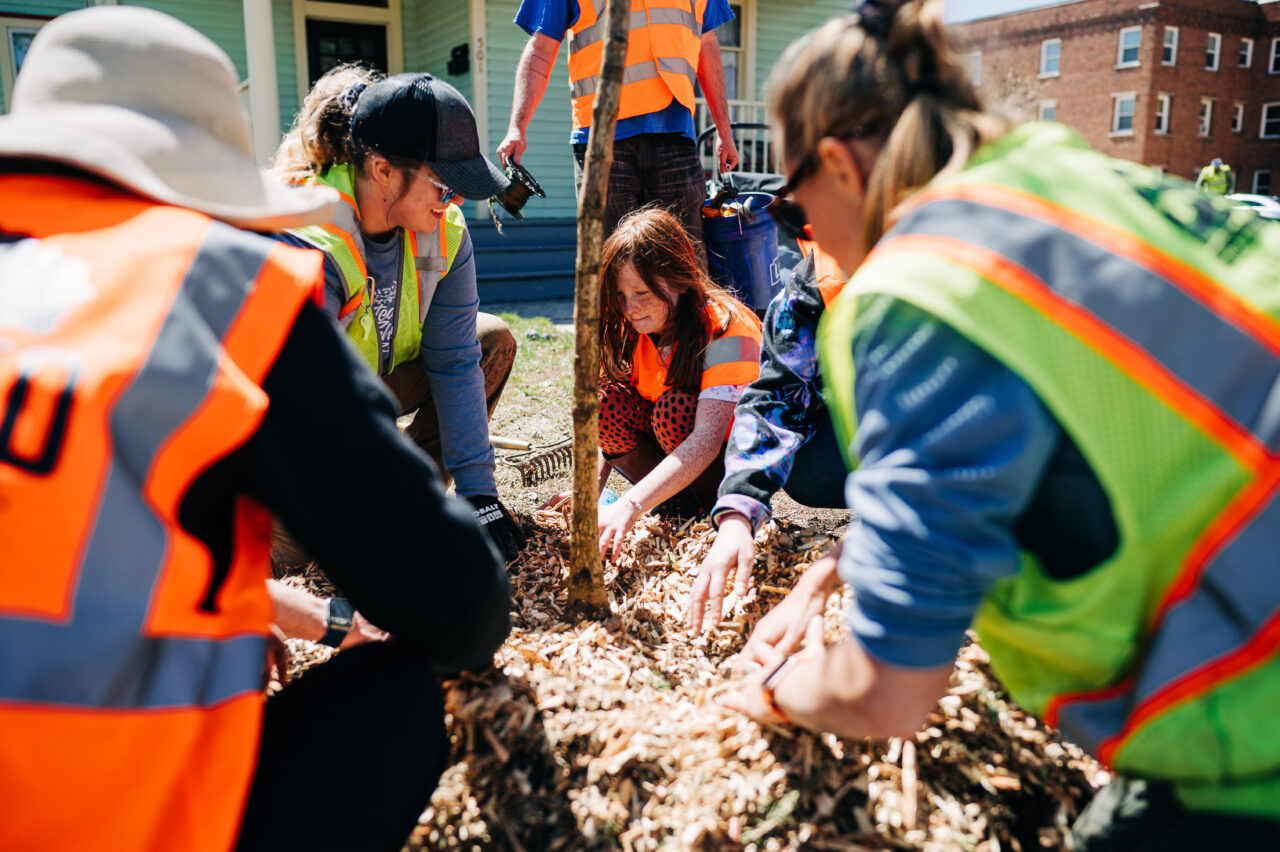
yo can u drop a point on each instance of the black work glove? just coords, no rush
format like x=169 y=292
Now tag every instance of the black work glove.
x=499 y=524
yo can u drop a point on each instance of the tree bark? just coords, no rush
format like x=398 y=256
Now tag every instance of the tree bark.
x=587 y=596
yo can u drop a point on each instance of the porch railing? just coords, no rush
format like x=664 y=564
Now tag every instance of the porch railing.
x=755 y=147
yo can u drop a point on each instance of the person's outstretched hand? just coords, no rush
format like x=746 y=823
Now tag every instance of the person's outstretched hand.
x=499 y=524
x=782 y=629
x=616 y=520
x=734 y=550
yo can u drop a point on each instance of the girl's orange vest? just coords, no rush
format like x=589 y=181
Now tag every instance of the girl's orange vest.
x=134 y=339
x=732 y=357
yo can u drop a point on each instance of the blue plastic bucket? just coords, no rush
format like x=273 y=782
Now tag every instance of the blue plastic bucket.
x=742 y=256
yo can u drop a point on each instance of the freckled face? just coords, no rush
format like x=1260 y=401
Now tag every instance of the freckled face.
x=642 y=307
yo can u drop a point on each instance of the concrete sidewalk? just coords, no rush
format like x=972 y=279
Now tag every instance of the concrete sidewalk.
x=559 y=311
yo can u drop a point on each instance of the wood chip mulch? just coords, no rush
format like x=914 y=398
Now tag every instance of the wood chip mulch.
x=607 y=735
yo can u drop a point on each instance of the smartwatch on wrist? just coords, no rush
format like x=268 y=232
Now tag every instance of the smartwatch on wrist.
x=340 y=619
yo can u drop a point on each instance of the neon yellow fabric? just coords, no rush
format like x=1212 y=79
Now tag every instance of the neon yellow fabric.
x=1167 y=475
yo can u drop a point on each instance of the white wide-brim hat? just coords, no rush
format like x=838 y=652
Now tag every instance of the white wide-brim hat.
x=143 y=100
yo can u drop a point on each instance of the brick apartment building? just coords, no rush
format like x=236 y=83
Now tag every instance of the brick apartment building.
x=1168 y=83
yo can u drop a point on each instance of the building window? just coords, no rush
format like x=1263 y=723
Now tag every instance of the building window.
x=1212 y=52
x=1246 y=52
x=729 y=36
x=1169 y=56
x=1162 y=112
x=1271 y=120
x=15 y=37
x=1262 y=182
x=1237 y=117
x=1047 y=111
x=1206 y=115
x=1130 y=41
x=1050 y=51
x=1122 y=113
x=1274 y=68
x=975 y=67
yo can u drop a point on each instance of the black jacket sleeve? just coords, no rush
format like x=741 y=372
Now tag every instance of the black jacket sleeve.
x=328 y=460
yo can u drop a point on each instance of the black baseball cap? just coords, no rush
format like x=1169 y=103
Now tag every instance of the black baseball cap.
x=422 y=118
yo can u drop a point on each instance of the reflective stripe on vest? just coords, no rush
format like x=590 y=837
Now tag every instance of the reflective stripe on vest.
x=731 y=358
x=150 y=372
x=1177 y=636
x=664 y=43
x=342 y=240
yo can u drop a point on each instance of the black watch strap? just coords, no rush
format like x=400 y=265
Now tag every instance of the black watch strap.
x=341 y=617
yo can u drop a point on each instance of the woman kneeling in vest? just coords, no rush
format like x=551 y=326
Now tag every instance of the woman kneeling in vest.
x=1053 y=376
x=399 y=270
x=675 y=353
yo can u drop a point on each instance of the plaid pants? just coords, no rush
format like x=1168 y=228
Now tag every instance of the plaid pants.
x=660 y=169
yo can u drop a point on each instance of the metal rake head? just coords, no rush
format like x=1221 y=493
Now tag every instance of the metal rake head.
x=542 y=461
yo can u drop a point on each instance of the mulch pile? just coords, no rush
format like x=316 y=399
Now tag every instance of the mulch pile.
x=608 y=736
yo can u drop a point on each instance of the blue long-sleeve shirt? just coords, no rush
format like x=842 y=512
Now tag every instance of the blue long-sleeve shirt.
x=450 y=352
x=953 y=447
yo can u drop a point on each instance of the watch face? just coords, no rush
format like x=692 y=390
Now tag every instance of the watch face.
x=340 y=622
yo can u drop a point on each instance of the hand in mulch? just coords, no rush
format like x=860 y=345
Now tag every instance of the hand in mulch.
x=782 y=628
x=734 y=550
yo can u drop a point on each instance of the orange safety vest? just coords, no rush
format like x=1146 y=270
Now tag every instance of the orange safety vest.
x=663 y=45
x=732 y=357
x=134 y=339
x=827 y=274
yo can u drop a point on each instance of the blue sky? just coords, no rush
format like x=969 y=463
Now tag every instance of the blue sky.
x=966 y=10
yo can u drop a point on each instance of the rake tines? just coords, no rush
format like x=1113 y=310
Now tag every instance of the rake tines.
x=542 y=461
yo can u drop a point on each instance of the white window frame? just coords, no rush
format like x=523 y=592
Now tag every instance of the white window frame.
x=1246 y=52
x=1213 y=52
x=1258 y=189
x=1169 y=46
x=1137 y=48
x=1118 y=98
x=1164 y=108
x=390 y=17
x=1262 y=121
x=975 y=67
x=745 y=50
x=1273 y=67
x=1050 y=105
x=1237 y=117
x=1044 y=46
x=1205 y=128
x=11 y=26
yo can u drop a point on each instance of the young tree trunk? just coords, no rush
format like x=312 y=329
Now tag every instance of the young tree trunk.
x=587 y=595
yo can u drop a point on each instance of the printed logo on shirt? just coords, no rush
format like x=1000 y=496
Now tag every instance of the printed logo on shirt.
x=488 y=513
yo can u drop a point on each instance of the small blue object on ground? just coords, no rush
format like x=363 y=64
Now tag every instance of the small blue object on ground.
x=608 y=496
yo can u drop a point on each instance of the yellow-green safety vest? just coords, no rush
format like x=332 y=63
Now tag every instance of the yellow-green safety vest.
x=427 y=258
x=1146 y=316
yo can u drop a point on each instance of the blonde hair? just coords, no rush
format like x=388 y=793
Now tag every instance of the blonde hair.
x=889 y=76
x=320 y=136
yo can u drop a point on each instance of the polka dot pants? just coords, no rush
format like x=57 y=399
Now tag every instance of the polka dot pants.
x=624 y=414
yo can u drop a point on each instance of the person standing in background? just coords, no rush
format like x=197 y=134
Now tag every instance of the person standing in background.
x=1217 y=177
x=655 y=159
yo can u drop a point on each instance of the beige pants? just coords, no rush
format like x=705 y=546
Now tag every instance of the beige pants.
x=408 y=382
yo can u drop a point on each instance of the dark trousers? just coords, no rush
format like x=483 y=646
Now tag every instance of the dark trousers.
x=818 y=472
x=1140 y=816
x=408 y=383
x=350 y=754
x=660 y=169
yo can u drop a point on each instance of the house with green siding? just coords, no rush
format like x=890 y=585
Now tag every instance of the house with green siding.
x=280 y=46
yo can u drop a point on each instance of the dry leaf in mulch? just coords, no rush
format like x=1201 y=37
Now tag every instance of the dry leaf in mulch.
x=607 y=736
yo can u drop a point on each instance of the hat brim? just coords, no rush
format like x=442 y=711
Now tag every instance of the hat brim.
x=475 y=179
x=167 y=160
